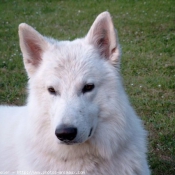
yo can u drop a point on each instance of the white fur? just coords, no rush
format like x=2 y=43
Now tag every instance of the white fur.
x=117 y=145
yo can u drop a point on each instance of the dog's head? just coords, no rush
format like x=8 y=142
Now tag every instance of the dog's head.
x=72 y=82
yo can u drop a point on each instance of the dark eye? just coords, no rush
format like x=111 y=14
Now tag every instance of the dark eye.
x=52 y=90
x=88 y=88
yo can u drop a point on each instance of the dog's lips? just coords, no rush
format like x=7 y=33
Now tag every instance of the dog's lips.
x=72 y=142
x=90 y=133
x=69 y=142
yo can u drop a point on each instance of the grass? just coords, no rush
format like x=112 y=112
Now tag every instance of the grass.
x=147 y=35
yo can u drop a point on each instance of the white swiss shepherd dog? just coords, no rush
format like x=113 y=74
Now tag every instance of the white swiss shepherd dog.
x=77 y=117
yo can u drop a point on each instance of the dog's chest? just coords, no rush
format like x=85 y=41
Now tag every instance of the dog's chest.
x=87 y=166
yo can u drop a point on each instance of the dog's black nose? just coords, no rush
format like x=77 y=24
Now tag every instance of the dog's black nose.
x=66 y=133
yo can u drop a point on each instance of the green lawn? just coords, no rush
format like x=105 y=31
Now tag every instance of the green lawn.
x=147 y=35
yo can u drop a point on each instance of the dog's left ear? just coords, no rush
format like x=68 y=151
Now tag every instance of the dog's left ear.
x=103 y=36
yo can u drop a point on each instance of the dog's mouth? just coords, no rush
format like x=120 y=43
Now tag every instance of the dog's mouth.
x=68 y=143
x=90 y=133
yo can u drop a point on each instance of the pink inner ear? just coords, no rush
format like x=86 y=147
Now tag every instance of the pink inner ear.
x=103 y=44
x=113 y=50
x=34 y=51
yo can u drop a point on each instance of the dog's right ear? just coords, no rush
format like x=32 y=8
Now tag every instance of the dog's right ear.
x=32 y=45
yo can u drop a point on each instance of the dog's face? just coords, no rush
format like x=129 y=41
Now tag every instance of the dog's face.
x=71 y=90
x=68 y=80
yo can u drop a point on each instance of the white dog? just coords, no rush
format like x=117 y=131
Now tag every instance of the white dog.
x=78 y=118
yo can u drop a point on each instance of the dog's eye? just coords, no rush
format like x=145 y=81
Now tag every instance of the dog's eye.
x=88 y=88
x=52 y=90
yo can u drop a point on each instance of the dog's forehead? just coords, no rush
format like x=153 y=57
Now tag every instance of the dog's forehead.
x=72 y=59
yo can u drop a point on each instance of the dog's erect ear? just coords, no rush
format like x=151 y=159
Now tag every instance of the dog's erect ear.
x=32 y=46
x=103 y=35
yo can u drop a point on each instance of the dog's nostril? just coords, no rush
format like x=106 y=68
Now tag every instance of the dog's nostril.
x=65 y=133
